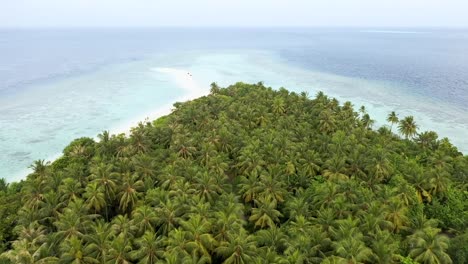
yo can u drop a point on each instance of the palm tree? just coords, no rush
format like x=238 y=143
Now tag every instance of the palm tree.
x=310 y=162
x=200 y=208
x=267 y=256
x=77 y=171
x=362 y=110
x=342 y=206
x=104 y=177
x=177 y=245
x=168 y=215
x=50 y=208
x=353 y=250
x=78 y=151
x=208 y=151
x=145 y=218
x=298 y=206
x=139 y=140
x=384 y=248
x=420 y=223
x=73 y=251
x=250 y=187
x=262 y=119
x=335 y=169
x=273 y=238
x=392 y=118
x=168 y=177
x=39 y=168
x=441 y=160
x=226 y=223
x=70 y=223
x=427 y=140
x=397 y=214
x=34 y=234
x=299 y=225
x=339 y=143
x=408 y=127
x=367 y=121
x=34 y=195
x=99 y=240
x=214 y=88
x=130 y=191
x=416 y=176
x=150 y=249
x=345 y=228
x=373 y=218
x=186 y=151
x=327 y=123
x=199 y=240
x=218 y=165
x=27 y=216
x=239 y=248
x=145 y=167
x=310 y=240
x=30 y=247
x=379 y=168
x=103 y=147
x=278 y=106
x=325 y=195
x=271 y=185
x=95 y=197
x=23 y=252
x=182 y=194
x=196 y=259
x=223 y=140
x=427 y=246
x=249 y=161
x=119 y=251
x=69 y=190
x=206 y=186
x=348 y=242
x=440 y=180
x=265 y=214
x=122 y=225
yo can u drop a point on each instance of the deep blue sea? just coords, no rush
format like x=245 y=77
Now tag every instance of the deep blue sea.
x=59 y=84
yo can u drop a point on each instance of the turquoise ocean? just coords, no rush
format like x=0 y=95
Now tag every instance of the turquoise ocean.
x=60 y=84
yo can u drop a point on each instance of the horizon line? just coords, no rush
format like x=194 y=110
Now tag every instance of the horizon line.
x=229 y=27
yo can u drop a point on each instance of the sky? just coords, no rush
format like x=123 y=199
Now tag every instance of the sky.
x=233 y=13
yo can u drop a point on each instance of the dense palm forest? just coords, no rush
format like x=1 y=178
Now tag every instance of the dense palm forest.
x=247 y=174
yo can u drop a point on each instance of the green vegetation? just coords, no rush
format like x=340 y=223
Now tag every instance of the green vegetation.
x=245 y=175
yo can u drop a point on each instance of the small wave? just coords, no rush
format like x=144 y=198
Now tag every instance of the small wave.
x=36 y=140
x=21 y=154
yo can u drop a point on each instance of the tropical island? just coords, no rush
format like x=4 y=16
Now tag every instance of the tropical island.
x=246 y=174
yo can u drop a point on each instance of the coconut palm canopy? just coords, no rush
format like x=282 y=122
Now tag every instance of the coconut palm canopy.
x=246 y=174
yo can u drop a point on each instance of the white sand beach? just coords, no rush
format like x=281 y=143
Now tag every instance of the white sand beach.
x=185 y=80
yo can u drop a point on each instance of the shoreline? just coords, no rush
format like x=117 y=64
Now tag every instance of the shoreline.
x=192 y=90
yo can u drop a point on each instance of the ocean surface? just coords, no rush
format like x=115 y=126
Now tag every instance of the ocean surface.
x=60 y=84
